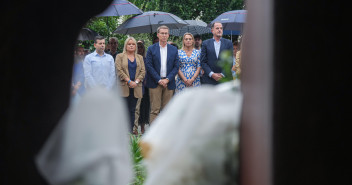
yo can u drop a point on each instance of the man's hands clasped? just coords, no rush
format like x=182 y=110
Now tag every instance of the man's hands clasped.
x=163 y=82
x=217 y=76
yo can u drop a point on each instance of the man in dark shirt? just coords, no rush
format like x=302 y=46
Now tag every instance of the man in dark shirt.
x=113 y=47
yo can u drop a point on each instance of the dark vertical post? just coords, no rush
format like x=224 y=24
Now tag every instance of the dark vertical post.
x=36 y=69
x=311 y=92
x=296 y=80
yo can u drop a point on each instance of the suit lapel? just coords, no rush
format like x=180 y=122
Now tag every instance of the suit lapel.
x=158 y=53
x=167 y=54
x=125 y=64
x=221 y=45
x=211 y=46
x=158 y=64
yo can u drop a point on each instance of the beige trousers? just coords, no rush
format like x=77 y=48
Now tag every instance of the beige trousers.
x=159 y=97
x=136 y=114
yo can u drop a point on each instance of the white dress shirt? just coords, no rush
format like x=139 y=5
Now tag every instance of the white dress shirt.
x=163 y=61
x=217 y=50
x=217 y=47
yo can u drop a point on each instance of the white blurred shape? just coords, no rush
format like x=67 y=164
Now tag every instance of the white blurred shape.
x=90 y=145
x=194 y=141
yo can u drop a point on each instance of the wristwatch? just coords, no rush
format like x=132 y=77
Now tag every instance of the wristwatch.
x=137 y=82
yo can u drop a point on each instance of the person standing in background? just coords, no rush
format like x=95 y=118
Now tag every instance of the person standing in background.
x=143 y=104
x=77 y=88
x=235 y=49
x=113 y=44
x=155 y=40
x=198 y=43
x=237 y=66
x=198 y=46
x=162 y=67
x=210 y=55
x=99 y=67
x=131 y=71
x=189 y=64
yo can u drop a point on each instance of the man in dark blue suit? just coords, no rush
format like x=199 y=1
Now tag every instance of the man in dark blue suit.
x=162 y=67
x=210 y=55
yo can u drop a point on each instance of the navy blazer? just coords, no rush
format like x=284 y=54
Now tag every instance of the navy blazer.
x=209 y=61
x=153 y=65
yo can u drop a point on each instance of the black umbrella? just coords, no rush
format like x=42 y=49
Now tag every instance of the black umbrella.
x=196 y=27
x=232 y=21
x=148 y=22
x=120 y=7
x=87 y=34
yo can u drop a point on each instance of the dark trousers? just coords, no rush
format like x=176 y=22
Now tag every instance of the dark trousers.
x=131 y=104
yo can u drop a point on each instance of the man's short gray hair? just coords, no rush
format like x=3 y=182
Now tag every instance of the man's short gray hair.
x=162 y=27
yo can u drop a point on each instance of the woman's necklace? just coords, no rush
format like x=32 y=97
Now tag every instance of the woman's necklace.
x=130 y=57
x=188 y=52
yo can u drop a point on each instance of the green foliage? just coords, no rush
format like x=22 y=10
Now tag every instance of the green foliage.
x=139 y=168
x=205 y=10
x=226 y=64
x=105 y=26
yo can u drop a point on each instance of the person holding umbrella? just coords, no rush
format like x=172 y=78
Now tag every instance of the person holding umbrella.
x=162 y=67
x=210 y=55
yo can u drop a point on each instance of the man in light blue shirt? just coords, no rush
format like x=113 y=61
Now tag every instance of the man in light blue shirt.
x=99 y=67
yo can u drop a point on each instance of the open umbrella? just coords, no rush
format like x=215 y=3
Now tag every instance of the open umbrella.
x=196 y=27
x=87 y=34
x=232 y=21
x=120 y=7
x=148 y=22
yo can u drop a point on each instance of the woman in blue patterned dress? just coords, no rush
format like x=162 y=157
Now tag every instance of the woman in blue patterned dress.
x=189 y=62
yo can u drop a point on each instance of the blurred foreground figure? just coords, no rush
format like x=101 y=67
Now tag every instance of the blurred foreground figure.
x=90 y=146
x=195 y=139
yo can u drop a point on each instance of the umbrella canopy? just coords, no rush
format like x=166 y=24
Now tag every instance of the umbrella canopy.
x=195 y=27
x=87 y=34
x=230 y=32
x=232 y=20
x=148 y=22
x=120 y=7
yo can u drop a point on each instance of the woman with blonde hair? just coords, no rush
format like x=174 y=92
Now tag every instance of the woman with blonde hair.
x=131 y=71
x=143 y=104
x=189 y=64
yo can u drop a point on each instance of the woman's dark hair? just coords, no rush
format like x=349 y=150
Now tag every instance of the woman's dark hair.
x=141 y=48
